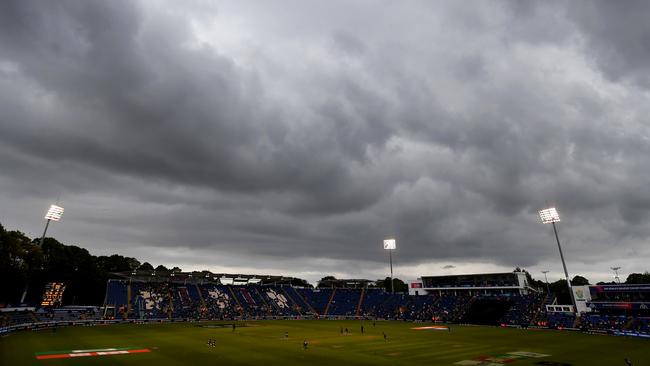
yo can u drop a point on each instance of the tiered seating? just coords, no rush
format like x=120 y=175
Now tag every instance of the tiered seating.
x=186 y=302
x=298 y=298
x=523 y=310
x=281 y=303
x=317 y=298
x=68 y=314
x=150 y=300
x=419 y=308
x=373 y=298
x=239 y=297
x=250 y=299
x=345 y=302
x=448 y=307
x=195 y=296
x=219 y=303
x=116 y=293
x=390 y=307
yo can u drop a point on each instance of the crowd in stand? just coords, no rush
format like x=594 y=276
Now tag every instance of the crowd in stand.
x=16 y=317
x=603 y=322
x=560 y=320
x=212 y=301
x=615 y=322
x=524 y=310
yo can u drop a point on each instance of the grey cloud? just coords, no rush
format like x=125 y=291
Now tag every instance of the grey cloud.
x=617 y=36
x=317 y=132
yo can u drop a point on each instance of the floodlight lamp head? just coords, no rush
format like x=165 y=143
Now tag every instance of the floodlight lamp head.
x=54 y=213
x=389 y=244
x=549 y=215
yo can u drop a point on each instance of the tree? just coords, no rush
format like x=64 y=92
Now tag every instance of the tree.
x=636 y=278
x=579 y=281
x=398 y=285
x=326 y=281
x=561 y=291
x=146 y=266
x=176 y=270
x=117 y=263
x=20 y=259
x=162 y=268
x=301 y=283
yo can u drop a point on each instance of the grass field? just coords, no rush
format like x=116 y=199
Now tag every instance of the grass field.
x=263 y=343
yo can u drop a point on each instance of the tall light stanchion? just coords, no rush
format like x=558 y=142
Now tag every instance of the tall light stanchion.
x=616 y=278
x=389 y=244
x=54 y=213
x=548 y=289
x=550 y=216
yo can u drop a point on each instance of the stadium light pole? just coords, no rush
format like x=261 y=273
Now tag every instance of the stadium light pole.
x=615 y=269
x=54 y=213
x=389 y=244
x=548 y=289
x=550 y=216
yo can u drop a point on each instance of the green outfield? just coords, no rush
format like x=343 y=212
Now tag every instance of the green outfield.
x=264 y=343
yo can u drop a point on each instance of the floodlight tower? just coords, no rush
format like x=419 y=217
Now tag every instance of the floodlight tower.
x=615 y=269
x=389 y=244
x=550 y=216
x=53 y=214
x=548 y=289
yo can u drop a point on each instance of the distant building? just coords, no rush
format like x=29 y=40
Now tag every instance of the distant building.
x=509 y=283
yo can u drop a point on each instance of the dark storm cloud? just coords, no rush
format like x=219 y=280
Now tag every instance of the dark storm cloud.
x=255 y=133
x=618 y=37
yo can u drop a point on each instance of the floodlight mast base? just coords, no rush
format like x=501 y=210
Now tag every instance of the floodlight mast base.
x=22 y=298
x=566 y=273
x=44 y=232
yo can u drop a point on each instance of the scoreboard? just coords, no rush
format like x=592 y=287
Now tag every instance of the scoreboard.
x=53 y=294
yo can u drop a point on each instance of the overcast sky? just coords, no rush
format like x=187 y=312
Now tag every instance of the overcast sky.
x=292 y=137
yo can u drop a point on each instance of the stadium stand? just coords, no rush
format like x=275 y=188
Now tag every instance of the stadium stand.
x=613 y=309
